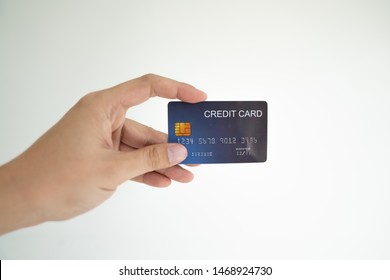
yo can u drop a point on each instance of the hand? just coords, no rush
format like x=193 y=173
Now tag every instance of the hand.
x=81 y=160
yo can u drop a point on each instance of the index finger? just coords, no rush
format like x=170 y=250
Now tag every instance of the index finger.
x=139 y=90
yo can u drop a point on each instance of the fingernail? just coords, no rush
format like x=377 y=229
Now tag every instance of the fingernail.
x=176 y=153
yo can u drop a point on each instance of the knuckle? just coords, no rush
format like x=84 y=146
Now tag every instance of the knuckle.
x=150 y=136
x=88 y=99
x=153 y=158
x=149 y=81
x=148 y=77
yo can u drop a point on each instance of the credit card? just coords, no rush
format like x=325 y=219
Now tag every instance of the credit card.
x=220 y=131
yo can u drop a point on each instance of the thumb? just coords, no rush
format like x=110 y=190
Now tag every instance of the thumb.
x=151 y=158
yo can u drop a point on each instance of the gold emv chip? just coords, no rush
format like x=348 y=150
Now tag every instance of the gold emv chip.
x=183 y=129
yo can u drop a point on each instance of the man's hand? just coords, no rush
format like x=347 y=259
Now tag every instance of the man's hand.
x=80 y=161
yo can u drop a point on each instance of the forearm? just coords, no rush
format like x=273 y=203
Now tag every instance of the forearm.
x=15 y=209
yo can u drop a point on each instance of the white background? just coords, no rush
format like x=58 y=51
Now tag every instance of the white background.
x=322 y=66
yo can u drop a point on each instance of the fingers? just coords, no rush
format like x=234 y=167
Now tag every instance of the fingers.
x=139 y=90
x=162 y=177
x=153 y=179
x=150 y=158
x=178 y=174
x=138 y=135
x=151 y=152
